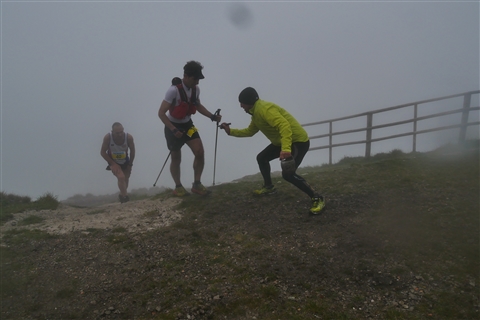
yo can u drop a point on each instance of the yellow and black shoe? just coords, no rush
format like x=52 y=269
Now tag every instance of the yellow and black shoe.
x=265 y=190
x=180 y=192
x=318 y=204
x=200 y=189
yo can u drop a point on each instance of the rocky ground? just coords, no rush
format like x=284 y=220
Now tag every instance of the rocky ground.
x=134 y=216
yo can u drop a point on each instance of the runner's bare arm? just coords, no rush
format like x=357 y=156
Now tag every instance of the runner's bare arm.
x=201 y=108
x=131 y=146
x=162 y=114
x=103 y=151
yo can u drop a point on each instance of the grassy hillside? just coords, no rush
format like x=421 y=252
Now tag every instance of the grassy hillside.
x=11 y=204
x=399 y=240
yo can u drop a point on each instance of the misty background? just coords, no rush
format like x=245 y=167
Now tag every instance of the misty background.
x=69 y=70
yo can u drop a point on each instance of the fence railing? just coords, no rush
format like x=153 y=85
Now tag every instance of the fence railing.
x=370 y=127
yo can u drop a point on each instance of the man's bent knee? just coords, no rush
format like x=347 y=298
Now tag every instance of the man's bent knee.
x=120 y=175
x=176 y=156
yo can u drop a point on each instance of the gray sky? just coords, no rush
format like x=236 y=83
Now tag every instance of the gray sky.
x=71 y=69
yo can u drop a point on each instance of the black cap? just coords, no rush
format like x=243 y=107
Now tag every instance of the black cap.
x=194 y=69
x=248 y=96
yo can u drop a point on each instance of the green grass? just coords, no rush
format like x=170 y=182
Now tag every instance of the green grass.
x=11 y=204
x=18 y=236
x=33 y=219
x=423 y=205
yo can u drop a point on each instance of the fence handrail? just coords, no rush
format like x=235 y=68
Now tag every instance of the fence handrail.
x=391 y=124
x=394 y=136
x=369 y=127
x=393 y=108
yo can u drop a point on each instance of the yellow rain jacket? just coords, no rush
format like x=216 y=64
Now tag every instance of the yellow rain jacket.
x=279 y=126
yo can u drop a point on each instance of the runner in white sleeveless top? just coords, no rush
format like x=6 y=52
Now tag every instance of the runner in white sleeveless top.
x=115 y=150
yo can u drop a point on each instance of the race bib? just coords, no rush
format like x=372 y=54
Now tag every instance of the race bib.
x=121 y=155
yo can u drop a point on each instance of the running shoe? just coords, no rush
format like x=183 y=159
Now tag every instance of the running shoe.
x=199 y=188
x=180 y=192
x=265 y=190
x=123 y=199
x=318 y=204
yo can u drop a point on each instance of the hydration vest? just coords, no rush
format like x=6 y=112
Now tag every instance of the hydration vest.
x=185 y=107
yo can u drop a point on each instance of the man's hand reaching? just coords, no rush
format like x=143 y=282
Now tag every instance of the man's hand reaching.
x=226 y=127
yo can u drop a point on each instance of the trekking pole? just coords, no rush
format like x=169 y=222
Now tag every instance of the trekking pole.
x=162 y=168
x=215 y=157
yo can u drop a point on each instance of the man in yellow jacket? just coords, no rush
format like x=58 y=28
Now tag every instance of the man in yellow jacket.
x=289 y=142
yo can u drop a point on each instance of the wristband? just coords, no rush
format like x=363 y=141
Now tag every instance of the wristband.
x=174 y=130
x=213 y=117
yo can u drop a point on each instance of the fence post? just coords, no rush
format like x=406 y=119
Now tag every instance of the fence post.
x=330 y=149
x=415 y=110
x=466 y=106
x=368 y=143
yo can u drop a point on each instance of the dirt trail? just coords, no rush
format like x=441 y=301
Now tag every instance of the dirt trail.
x=134 y=216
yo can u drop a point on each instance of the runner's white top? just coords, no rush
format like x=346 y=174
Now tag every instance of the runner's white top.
x=119 y=153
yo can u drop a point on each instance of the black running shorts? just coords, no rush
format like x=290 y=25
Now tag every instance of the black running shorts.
x=174 y=143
